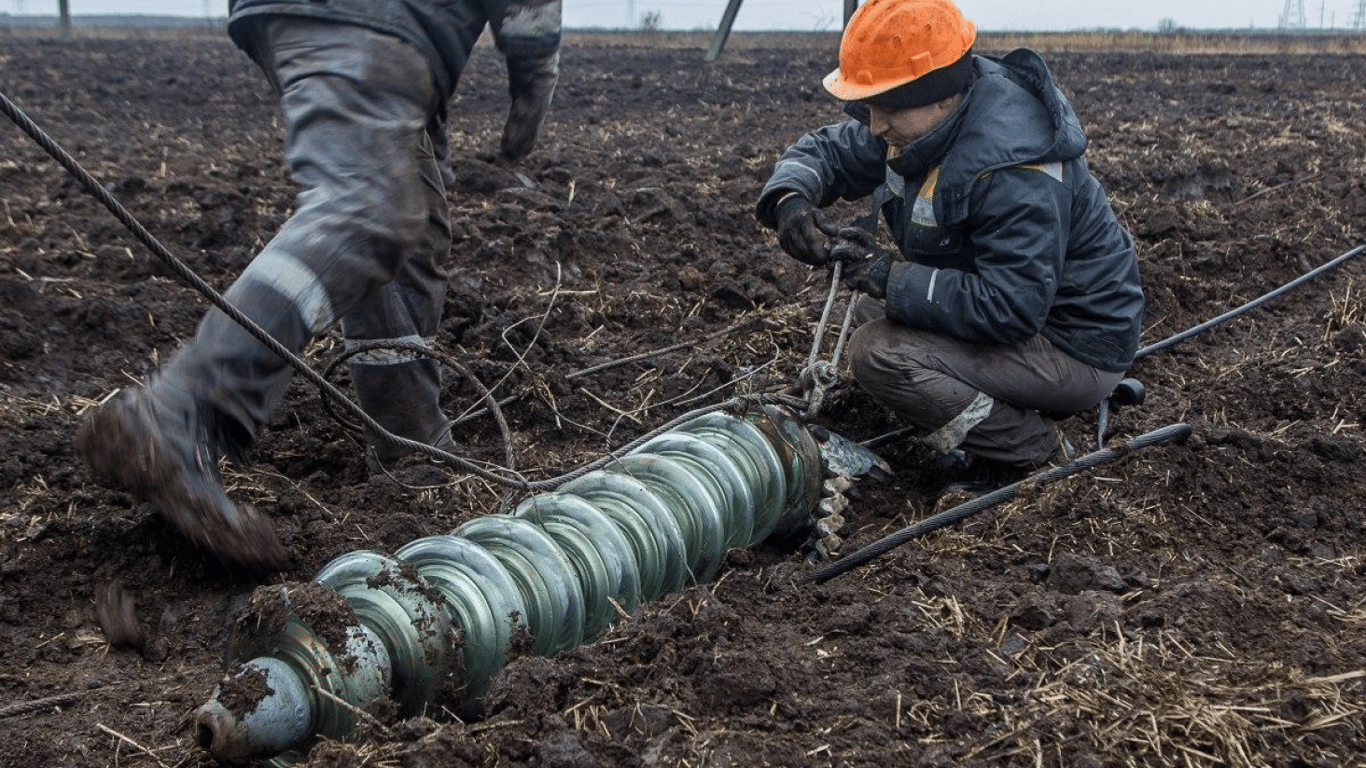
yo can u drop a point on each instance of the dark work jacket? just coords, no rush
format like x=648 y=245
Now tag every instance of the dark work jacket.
x=1005 y=231
x=527 y=32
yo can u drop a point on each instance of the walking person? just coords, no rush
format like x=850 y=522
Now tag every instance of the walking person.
x=363 y=88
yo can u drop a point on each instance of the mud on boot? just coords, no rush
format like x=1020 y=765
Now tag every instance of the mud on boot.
x=968 y=474
x=162 y=445
x=974 y=475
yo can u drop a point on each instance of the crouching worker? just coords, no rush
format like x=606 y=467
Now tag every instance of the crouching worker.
x=363 y=88
x=1015 y=300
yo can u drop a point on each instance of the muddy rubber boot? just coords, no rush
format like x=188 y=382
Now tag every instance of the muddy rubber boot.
x=162 y=445
x=964 y=473
x=532 y=93
x=976 y=475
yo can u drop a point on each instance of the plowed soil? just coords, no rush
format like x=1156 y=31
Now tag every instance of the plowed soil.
x=1200 y=604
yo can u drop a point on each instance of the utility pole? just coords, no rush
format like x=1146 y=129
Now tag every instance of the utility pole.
x=1359 y=18
x=1292 y=16
x=64 y=17
x=718 y=41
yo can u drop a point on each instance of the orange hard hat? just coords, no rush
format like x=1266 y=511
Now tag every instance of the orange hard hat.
x=889 y=43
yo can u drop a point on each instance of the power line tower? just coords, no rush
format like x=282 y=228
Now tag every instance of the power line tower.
x=1359 y=18
x=1292 y=17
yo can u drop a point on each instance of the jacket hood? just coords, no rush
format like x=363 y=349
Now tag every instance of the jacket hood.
x=1015 y=114
x=1020 y=108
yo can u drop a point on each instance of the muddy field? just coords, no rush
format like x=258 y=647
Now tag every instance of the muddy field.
x=1192 y=605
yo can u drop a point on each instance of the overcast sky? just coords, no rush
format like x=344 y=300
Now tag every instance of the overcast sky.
x=808 y=15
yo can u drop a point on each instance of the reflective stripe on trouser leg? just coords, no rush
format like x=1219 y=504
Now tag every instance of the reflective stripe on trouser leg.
x=951 y=435
x=228 y=368
x=400 y=389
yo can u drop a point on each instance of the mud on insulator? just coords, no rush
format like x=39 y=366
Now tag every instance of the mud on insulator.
x=380 y=635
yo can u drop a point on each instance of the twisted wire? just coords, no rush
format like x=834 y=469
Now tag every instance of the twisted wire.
x=492 y=406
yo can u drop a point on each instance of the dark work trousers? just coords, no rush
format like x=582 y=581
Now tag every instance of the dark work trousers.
x=365 y=245
x=989 y=400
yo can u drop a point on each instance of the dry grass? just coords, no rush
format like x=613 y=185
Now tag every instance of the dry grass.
x=208 y=29
x=1345 y=311
x=1169 y=704
x=1181 y=41
x=1185 y=42
x=1136 y=699
x=28 y=510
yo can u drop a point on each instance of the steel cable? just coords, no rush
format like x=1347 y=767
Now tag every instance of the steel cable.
x=505 y=476
x=824 y=323
x=492 y=406
x=819 y=375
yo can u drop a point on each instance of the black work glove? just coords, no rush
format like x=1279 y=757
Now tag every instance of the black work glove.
x=866 y=265
x=800 y=231
x=530 y=105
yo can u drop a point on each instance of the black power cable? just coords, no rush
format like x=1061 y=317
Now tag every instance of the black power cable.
x=1172 y=341
x=1171 y=433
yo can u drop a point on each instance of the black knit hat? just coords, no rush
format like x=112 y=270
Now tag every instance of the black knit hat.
x=935 y=85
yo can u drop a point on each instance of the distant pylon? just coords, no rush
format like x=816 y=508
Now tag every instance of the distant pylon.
x=1359 y=18
x=1292 y=17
